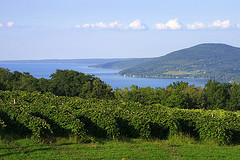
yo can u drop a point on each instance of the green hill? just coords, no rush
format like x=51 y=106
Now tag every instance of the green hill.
x=122 y=64
x=215 y=61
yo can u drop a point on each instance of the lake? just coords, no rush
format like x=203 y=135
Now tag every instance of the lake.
x=45 y=69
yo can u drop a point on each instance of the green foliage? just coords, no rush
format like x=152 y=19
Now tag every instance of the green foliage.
x=123 y=63
x=234 y=100
x=43 y=115
x=135 y=112
x=16 y=113
x=217 y=94
x=62 y=83
x=212 y=61
x=72 y=83
x=2 y=124
x=177 y=97
x=214 y=95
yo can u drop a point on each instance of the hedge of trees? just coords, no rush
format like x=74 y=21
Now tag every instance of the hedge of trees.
x=62 y=83
x=214 y=95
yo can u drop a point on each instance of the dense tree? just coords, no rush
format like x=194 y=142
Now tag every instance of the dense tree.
x=62 y=83
x=195 y=97
x=5 y=78
x=216 y=94
x=177 y=98
x=234 y=101
x=43 y=85
x=73 y=83
x=121 y=94
x=96 y=89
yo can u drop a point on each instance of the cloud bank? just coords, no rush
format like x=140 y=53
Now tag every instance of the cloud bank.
x=172 y=24
x=138 y=25
x=220 y=24
x=135 y=25
x=196 y=25
x=10 y=24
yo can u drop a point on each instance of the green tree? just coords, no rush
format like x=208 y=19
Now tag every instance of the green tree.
x=68 y=82
x=43 y=85
x=216 y=94
x=97 y=89
x=234 y=101
x=177 y=98
x=72 y=83
x=194 y=97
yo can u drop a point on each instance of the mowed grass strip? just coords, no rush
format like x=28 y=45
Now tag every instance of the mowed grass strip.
x=117 y=149
x=177 y=73
x=133 y=149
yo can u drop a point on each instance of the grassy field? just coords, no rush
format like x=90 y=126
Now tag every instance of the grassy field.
x=177 y=73
x=174 y=148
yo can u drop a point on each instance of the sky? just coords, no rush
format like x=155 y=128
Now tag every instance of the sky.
x=79 y=29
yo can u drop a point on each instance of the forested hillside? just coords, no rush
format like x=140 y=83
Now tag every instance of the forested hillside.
x=213 y=61
x=123 y=64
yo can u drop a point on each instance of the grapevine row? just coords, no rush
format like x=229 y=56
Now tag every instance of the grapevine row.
x=101 y=118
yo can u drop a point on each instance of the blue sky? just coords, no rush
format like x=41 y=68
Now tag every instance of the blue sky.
x=69 y=29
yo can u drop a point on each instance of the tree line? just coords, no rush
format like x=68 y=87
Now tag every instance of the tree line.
x=214 y=95
x=61 y=83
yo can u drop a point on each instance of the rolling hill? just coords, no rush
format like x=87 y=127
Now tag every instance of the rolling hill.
x=208 y=60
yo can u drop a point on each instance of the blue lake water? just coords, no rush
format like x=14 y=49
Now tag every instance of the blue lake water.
x=44 y=70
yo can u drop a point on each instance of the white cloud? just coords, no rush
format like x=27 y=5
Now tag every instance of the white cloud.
x=220 y=24
x=10 y=24
x=171 y=24
x=1 y=25
x=101 y=25
x=137 y=25
x=160 y=26
x=86 y=26
x=115 y=24
x=78 y=26
x=196 y=25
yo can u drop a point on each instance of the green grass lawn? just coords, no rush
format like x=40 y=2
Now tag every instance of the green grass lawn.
x=177 y=73
x=117 y=149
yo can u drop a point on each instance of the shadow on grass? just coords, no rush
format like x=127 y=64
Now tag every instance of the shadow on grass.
x=16 y=152
x=5 y=148
x=64 y=144
x=126 y=139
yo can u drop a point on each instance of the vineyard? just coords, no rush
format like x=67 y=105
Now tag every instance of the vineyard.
x=46 y=116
